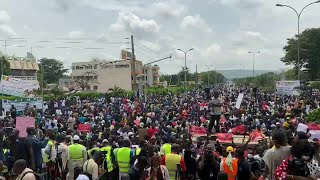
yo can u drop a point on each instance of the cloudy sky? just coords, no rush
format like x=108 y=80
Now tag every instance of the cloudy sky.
x=220 y=31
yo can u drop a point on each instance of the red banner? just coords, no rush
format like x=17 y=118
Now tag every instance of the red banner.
x=241 y=129
x=195 y=130
x=224 y=137
x=313 y=126
x=84 y=128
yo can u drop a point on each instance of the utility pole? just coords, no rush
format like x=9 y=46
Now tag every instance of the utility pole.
x=133 y=63
x=196 y=74
x=5 y=48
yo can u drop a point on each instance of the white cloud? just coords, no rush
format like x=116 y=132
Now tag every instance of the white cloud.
x=242 y=4
x=129 y=22
x=4 y=17
x=168 y=10
x=195 y=22
x=7 y=30
x=211 y=50
x=75 y=34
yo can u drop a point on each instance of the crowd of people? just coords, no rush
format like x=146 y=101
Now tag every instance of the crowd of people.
x=133 y=139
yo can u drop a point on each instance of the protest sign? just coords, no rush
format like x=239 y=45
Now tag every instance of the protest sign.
x=22 y=123
x=287 y=87
x=18 y=87
x=195 y=130
x=239 y=100
x=224 y=137
x=84 y=128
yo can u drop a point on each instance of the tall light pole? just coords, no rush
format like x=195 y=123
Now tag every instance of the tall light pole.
x=298 y=15
x=185 y=67
x=208 y=66
x=253 y=57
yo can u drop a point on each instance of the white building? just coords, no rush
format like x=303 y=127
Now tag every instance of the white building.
x=101 y=75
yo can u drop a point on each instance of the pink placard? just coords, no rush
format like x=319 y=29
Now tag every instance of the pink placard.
x=22 y=123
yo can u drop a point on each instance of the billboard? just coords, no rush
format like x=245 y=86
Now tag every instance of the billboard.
x=18 y=87
x=126 y=55
x=287 y=87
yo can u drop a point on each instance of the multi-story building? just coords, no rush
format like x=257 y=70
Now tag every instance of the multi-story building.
x=100 y=75
x=152 y=75
x=23 y=67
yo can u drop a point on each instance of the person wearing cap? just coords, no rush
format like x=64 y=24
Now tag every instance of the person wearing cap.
x=172 y=161
x=229 y=164
x=77 y=155
x=106 y=150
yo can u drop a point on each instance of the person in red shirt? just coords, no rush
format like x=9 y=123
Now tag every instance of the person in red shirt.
x=172 y=160
x=152 y=131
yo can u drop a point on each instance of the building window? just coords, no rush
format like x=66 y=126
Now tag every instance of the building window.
x=95 y=66
x=77 y=67
x=122 y=66
x=88 y=87
x=81 y=67
x=95 y=87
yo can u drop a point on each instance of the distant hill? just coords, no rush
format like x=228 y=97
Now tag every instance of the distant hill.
x=232 y=74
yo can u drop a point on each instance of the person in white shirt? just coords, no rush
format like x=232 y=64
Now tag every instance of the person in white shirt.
x=24 y=173
x=91 y=166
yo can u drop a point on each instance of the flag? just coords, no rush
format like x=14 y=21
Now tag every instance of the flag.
x=239 y=129
x=255 y=135
x=195 y=130
x=224 y=137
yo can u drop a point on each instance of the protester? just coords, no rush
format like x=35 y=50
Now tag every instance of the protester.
x=23 y=172
x=129 y=137
x=157 y=171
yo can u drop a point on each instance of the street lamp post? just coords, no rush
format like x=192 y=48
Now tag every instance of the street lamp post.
x=253 y=57
x=298 y=15
x=208 y=66
x=185 y=67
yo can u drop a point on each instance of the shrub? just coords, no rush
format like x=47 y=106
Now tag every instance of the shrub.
x=314 y=116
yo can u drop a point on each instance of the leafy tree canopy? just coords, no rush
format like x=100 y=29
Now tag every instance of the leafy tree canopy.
x=309 y=52
x=53 y=70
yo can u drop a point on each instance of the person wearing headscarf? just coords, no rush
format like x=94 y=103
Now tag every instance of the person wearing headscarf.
x=157 y=171
x=229 y=164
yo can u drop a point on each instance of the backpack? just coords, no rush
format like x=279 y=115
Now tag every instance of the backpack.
x=28 y=172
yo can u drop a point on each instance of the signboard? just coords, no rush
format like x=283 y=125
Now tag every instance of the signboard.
x=239 y=100
x=287 y=87
x=20 y=105
x=84 y=128
x=22 y=123
x=18 y=87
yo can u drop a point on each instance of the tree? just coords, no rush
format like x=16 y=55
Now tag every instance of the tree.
x=5 y=65
x=53 y=70
x=265 y=82
x=214 y=77
x=309 y=52
x=116 y=91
